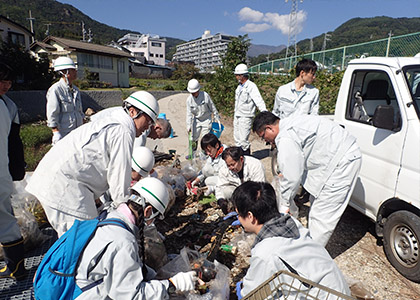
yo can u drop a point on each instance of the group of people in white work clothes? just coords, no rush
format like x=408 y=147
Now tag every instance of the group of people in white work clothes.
x=98 y=160
x=312 y=151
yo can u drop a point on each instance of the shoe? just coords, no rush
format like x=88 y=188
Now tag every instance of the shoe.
x=14 y=258
x=223 y=204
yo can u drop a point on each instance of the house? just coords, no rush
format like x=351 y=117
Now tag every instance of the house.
x=150 y=48
x=10 y=30
x=104 y=63
x=206 y=52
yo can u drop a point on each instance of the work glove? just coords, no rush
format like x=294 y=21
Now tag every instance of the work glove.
x=56 y=137
x=238 y=290
x=195 y=182
x=184 y=281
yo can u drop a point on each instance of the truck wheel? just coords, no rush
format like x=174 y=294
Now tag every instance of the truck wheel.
x=401 y=243
x=274 y=167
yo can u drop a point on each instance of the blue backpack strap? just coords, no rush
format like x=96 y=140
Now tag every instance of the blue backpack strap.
x=111 y=221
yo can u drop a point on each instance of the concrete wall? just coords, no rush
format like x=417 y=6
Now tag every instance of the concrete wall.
x=32 y=104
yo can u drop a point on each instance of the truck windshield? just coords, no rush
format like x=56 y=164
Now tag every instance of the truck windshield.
x=412 y=75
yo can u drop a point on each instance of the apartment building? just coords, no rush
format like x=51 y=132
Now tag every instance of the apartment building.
x=145 y=46
x=206 y=52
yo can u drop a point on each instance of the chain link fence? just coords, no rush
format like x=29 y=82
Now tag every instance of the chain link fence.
x=337 y=59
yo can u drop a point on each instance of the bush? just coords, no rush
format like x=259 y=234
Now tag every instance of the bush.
x=36 y=140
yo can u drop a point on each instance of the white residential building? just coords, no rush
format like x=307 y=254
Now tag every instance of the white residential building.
x=206 y=53
x=152 y=48
x=16 y=33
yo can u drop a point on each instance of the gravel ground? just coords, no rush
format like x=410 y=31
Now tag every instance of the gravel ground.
x=354 y=247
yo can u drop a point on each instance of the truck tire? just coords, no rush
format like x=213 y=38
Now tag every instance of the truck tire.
x=401 y=243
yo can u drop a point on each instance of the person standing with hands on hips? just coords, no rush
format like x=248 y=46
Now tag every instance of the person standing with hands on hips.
x=64 y=102
x=247 y=98
x=200 y=108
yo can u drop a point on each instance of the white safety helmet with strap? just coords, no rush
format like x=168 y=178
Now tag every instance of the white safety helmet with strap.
x=193 y=86
x=241 y=69
x=151 y=191
x=63 y=63
x=142 y=161
x=144 y=101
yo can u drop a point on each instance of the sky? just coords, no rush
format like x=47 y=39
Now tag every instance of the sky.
x=265 y=21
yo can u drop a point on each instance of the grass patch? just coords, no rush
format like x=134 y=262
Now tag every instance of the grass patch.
x=36 y=139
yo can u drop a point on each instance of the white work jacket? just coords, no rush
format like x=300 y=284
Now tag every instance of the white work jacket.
x=120 y=266
x=200 y=109
x=289 y=101
x=309 y=149
x=92 y=159
x=13 y=110
x=308 y=258
x=247 y=98
x=212 y=166
x=253 y=171
x=64 y=107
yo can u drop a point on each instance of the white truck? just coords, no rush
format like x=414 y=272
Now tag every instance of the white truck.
x=379 y=103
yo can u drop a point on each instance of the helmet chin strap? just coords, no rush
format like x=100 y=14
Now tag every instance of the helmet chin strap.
x=142 y=201
x=66 y=78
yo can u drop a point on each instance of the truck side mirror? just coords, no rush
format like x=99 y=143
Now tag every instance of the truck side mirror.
x=384 y=117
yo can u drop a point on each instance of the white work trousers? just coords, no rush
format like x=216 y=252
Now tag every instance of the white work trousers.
x=60 y=221
x=327 y=209
x=241 y=130
x=200 y=128
x=9 y=229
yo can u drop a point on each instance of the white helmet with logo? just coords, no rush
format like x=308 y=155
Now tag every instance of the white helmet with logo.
x=241 y=69
x=144 y=101
x=193 y=86
x=142 y=161
x=152 y=191
x=63 y=63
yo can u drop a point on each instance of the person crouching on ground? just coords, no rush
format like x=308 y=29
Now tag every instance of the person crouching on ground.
x=282 y=243
x=121 y=268
x=237 y=169
x=211 y=145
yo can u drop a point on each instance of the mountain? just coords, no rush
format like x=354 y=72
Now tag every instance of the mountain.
x=354 y=31
x=65 y=21
x=255 y=49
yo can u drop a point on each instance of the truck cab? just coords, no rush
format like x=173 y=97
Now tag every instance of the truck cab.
x=379 y=103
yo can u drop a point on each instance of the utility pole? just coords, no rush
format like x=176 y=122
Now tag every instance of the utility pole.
x=291 y=40
x=31 y=22
x=47 y=32
x=83 y=32
x=324 y=46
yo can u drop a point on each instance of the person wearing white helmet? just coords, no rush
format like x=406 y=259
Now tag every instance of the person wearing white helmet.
x=91 y=160
x=113 y=263
x=142 y=162
x=64 y=102
x=247 y=99
x=200 y=108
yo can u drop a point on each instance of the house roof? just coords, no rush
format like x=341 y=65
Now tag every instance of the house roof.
x=86 y=47
x=43 y=46
x=15 y=24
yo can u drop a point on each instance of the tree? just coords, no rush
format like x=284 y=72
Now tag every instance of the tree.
x=30 y=73
x=223 y=84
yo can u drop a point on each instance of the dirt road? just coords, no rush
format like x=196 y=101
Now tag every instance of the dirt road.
x=353 y=245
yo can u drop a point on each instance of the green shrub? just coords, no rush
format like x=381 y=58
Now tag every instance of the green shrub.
x=36 y=140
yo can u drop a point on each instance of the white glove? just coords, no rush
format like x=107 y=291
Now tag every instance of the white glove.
x=195 y=182
x=184 y=281
x=56 y=137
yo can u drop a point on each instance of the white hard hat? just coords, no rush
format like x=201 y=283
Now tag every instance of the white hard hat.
x=145 y=102
x=241 y=69
x=142 y=161
x=64 y=63
x=193 y=86
x=152 y=191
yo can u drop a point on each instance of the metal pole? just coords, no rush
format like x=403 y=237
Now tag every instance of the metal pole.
x=344 y=58
x=388 y=44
